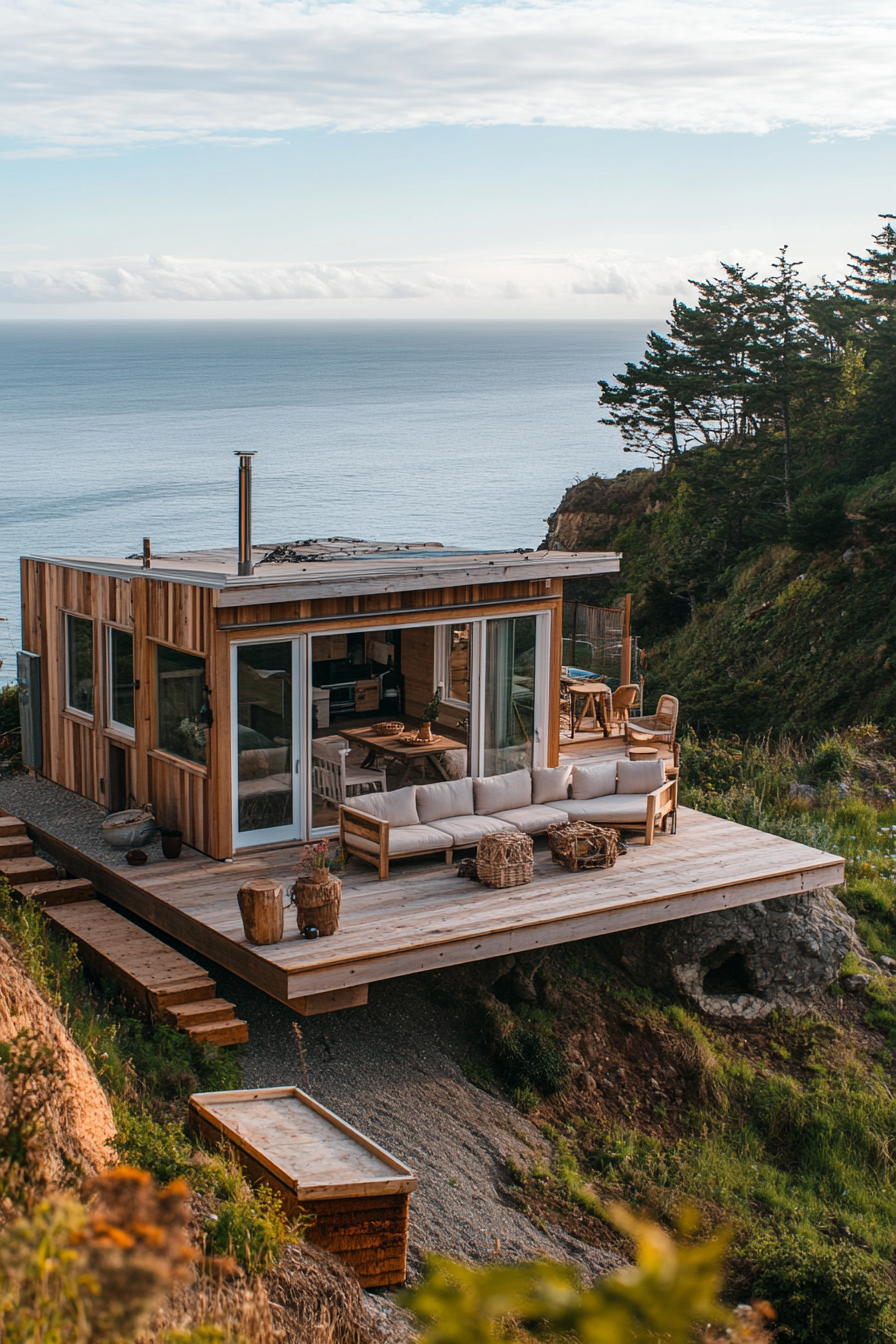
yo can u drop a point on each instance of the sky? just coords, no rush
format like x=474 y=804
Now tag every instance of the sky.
x=413 y=158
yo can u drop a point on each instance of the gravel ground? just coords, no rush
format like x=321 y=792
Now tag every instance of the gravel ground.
x=391 y=1069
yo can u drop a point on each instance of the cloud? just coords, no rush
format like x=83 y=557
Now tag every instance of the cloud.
x=448 y=281
x=82 y=75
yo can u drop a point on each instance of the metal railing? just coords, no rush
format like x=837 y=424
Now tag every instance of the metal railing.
x=595 y=640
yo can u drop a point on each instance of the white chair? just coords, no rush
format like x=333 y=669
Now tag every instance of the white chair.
x=331 y=775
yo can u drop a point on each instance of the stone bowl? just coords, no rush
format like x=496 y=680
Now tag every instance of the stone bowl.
x=129 y=830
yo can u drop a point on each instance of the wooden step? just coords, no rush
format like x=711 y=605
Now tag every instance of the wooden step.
x=234 y=1032
x=149 y=972
x=15 y=847
x=64 y=892
x=12 y=826
x=27 y=870
x=197 y=1014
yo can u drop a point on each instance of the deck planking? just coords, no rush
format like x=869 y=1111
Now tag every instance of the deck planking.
x=424 y=916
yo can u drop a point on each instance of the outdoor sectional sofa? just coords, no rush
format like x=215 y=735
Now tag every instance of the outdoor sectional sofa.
x=430 y=818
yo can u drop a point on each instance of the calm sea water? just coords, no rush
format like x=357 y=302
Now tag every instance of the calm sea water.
x=463 y=432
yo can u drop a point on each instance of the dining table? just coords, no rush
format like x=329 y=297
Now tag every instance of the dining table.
x=405 y=751
x=595 y=701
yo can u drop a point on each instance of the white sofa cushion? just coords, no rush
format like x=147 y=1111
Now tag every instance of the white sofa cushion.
x=454 y=798
x=469 y=830
x=612 y=809
x=398 y=808
x=549 y=785
x=407 y=840
x=531 y=819
x=594 y=781
x=500 y=792
x=639 y=776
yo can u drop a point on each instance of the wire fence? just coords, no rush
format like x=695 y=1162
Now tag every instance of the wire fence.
x=593 y=642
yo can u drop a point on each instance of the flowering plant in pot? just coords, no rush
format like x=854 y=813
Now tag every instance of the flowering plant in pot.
x=430 y=713
x=318 y=859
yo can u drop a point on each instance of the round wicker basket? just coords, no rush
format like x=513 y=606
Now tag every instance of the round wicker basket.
x=505 y=859
x=390 y=729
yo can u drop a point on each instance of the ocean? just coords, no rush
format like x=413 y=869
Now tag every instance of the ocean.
x=460 y=432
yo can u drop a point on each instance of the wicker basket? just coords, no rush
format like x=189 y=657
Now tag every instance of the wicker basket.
x=389 y=729
x=581 y=844
x=505 y=859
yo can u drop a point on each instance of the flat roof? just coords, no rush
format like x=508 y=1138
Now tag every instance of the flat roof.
x=343 y=566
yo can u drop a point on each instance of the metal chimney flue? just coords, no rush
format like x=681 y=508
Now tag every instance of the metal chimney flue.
x=245 y=565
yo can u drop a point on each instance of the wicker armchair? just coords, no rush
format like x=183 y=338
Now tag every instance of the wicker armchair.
x=658 y=727
x=622 y=700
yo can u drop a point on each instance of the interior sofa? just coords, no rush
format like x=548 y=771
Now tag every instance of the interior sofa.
x=433 y=818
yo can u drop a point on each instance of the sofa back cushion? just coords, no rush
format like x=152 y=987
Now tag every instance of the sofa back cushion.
x=398 y=808
x=502 y=793
x=594 y=781
x=549 y=786
x=454 y=798
x=640 y=776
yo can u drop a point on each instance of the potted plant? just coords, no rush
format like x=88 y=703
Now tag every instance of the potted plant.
x=430 y=713
x=317 y=860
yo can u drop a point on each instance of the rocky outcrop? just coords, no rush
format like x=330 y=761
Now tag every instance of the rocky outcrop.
x=77 y=1121
x=593 y=512
x=748 y=961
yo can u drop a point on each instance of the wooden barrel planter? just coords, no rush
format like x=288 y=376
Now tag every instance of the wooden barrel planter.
x=261 y=907
x=317 y=904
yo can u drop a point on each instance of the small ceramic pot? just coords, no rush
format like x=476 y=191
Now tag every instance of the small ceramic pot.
x=172 y=843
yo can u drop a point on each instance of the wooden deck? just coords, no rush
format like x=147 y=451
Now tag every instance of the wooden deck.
x=424 y=916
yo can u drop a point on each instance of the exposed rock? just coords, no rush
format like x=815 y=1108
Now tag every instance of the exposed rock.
x=748 y=961
x=856 y=983
x=79 y=1124
x=804 y=792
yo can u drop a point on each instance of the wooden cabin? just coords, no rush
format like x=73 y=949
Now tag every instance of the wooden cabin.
x=216 y=685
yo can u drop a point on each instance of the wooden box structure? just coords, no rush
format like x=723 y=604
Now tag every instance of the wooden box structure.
x=354 y=1192
x=177 y=681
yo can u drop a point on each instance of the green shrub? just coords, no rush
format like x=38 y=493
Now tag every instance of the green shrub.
x=529 y=1060
x=829 y=762
x=829 y=1294
x=252 y=1230
x=9 y=708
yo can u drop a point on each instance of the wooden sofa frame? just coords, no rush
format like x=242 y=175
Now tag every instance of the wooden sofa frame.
x=662 y=807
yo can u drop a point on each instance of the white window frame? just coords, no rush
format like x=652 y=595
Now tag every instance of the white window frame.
x=541 y=707
x=77 y=616
x=302 y=827
x=298 y=829
x=121 y=728
x=443 y=664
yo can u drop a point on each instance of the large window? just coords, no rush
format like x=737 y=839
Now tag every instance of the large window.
x=454 y=664
x=180 y=695
x=79 y=663
x=121 y=679
x=509 y=718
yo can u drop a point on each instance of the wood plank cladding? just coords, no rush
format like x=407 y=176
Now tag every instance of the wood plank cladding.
x=187 y=616
x=76 y=746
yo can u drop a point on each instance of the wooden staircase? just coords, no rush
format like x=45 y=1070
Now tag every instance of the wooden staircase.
x=159 y=982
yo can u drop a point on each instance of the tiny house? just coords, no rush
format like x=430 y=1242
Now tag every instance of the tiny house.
x=218 y=685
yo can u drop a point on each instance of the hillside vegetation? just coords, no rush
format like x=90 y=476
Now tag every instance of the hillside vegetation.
x=760 y=543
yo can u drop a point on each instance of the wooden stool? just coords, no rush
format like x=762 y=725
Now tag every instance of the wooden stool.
x=261 y=907
x=642 y=753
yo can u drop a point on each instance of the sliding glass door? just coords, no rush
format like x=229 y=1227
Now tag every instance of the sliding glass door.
x=509 y=693
x=267 y=779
